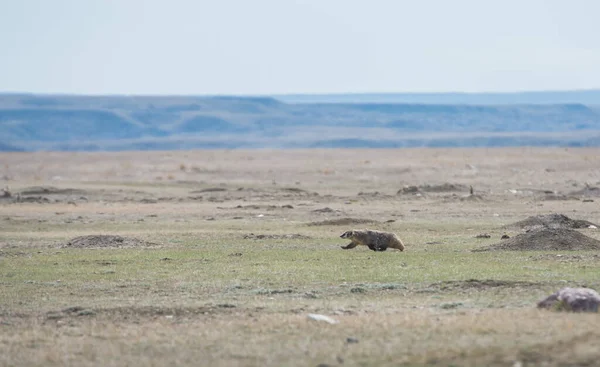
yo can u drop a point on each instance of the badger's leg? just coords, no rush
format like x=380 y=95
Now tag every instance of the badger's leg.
x=378 y=247
x=350 y=245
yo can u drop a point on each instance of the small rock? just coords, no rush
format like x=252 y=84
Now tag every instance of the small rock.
x=483 y=235
x=351 y=340
x=318 y=317
x=505 y=237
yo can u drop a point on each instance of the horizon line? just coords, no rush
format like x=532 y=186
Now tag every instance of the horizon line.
x=258 y=95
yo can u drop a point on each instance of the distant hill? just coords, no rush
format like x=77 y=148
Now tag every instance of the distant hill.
x=5 y=147
x=62 y=122
x=587 y=97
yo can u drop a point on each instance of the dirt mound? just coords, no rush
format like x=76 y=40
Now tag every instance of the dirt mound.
x=551 y=221
x=294 y=191
x=547 y=239
x=343 y=222
x=590 y=191
x=473 y=197
x=565 y=258
x=111 y=241
x=291 y=236
x=32 y=199
x=409 y=190
x=421 y=189
x=51 y=190
x=325 y=210
x=557 y=197
x=445 y=187
x=480 y=284
x=208 y=189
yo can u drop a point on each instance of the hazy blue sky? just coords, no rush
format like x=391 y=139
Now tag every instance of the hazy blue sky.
x=286 y=46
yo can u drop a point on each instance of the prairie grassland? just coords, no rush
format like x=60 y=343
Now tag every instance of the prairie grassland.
x=232 y=255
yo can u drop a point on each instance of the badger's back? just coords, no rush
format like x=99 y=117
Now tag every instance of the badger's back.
x=387 y=238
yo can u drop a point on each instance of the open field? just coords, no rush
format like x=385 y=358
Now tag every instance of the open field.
x=227 y=252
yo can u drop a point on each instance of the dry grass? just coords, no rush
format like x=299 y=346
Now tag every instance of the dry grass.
x=212 y=294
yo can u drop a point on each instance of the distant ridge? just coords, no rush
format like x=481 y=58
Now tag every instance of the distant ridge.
x=33 y=122
x=588 y=97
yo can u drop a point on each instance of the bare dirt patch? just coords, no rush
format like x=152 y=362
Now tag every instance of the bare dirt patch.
x=261 y=207
x=554 y=220
x=32 y=199
x=589 y=191
x=13 y=254
x=107 y=241
x=209 y=189
x=445 y=187
x=51 y=190
x=474 y=197
x=142 y=312
x=565 y=258
x=325 y=210
x=548 y=239
x=291 y=236
x=343 y=222
x=426 y=188
x=481 y=284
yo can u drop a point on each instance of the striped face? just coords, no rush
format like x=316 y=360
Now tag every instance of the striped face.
x=347 y=234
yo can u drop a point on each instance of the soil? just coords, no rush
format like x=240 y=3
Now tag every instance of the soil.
x=209 y=189
x=51 y=190
x=565 y=258
x=325 y=210
x=107 y=241
x=342 y=222
x=292 y=236
x=427 y=188
x=552 y=221
x=589 y=191
x=548 y=239
x=481 y=284
x=273 y=196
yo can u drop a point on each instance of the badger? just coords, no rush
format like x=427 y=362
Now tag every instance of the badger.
x=374 y=240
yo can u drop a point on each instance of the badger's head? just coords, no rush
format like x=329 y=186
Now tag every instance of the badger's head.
x=347 y=234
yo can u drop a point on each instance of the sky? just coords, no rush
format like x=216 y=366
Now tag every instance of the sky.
x=266 y=47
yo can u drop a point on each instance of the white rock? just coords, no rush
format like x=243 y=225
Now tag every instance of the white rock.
x=318 y=317
x=572 y=299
